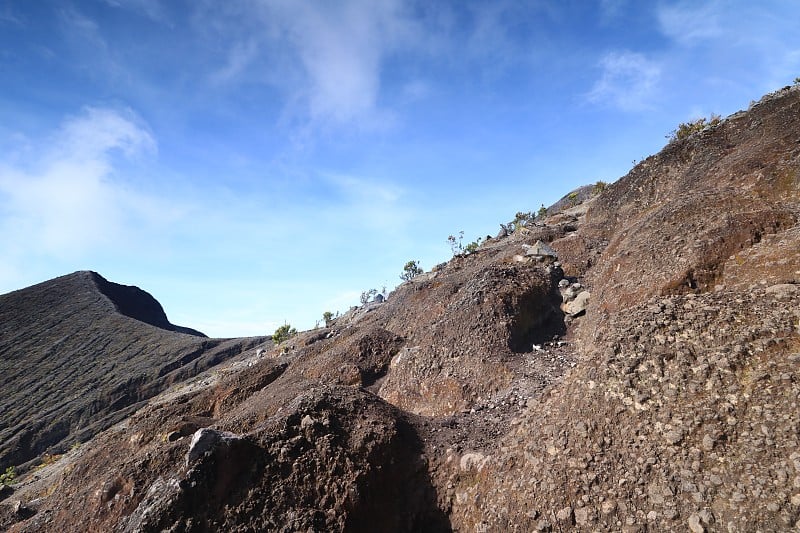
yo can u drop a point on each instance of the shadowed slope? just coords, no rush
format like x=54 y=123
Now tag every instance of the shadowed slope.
x=72 y=363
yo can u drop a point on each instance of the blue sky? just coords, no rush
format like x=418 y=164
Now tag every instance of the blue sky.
x=251 y=162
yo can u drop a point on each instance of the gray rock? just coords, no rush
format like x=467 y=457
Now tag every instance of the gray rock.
x=205 y=441
x=584 y=516
x=674 y=436
x=694 y=524
x=579 y=304
x=540 y=249
x=565 y=515
x=783 y=290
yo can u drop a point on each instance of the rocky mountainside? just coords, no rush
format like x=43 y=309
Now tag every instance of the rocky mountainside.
x=646 y=379
x=80 y=353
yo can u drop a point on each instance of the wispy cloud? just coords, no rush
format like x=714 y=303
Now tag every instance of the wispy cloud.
x=751 y=36
x=368 y=204
x=690 y=22
x=341 y=48
x=628 y=81
x=71 y=201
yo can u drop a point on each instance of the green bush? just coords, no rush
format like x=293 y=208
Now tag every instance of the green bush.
x=8 y=477
x=573 y=199
x=599 y=187
x=686 y=129
x=327 y=316
x=284 y=332
x=411 y=270
x=471 y=247
x=542 y=211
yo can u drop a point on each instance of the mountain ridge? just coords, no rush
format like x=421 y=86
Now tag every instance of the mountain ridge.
x=646 y=379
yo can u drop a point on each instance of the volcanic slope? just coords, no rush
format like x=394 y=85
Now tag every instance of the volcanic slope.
x=496 y=392
x=79 y=353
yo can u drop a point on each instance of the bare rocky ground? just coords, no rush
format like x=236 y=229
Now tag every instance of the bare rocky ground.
x=473 y=399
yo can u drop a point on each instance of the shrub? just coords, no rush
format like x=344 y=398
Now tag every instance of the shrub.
x=572 y=198
x=521 y=219
x=797 y=81
x=410 y=271
x=455 y=243
x=471 y=247
x=599 y=187
x=327 y=316
x=686 y=129
x=542 y=211
x=284 y=332
x=366 y=296
x=8 y=477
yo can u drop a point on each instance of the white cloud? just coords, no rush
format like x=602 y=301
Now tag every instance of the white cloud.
x=628 y=81
x=329 y=55
x=690 y=22
x=69 y=202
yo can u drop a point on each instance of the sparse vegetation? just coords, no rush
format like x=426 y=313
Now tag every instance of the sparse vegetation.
x=572 y=198
x=8 y=477
x=411 y=270
x=797 y=81
x=366 y=296
x=471 y=247
x=520 y=219
x=599 y=187
x=455 y=243
x=542 y=211
x=327 y=316
x=686 y=129
x=47 y=460
x=458 y=248
x=283 y=333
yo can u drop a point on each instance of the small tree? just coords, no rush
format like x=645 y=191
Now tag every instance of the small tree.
x=283 y=333
x=573 y=199
x=366 y=296
x=327 y=316
x=410 y=271
x=797 y=81
x=599 y=187
x=522 y=219
x=542 y=211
